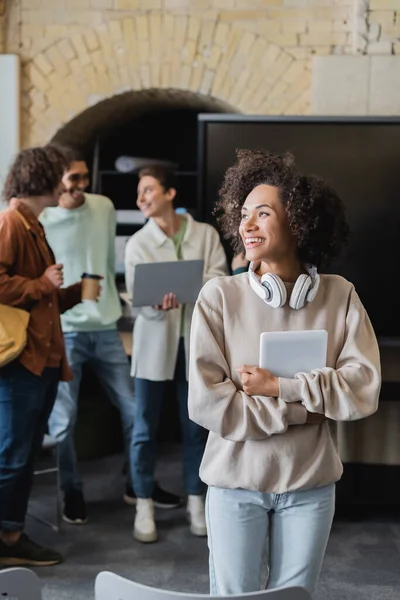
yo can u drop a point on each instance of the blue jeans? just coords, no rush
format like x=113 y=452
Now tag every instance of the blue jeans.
x=26 y=401
x=286 y=532
x=104 y=352
x=149 y=397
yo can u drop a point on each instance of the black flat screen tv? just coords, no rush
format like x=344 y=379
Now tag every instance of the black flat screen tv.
x=360 y=157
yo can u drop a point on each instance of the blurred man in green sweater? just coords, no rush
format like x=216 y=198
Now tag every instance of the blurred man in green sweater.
x=81 y=233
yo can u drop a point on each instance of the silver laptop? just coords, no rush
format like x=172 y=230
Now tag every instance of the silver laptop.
x=152 y=281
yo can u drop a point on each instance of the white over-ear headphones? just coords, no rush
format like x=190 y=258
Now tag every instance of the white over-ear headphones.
x=272 y=290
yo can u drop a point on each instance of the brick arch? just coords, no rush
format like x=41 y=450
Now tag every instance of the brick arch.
x=83 y=129
x=159 y=51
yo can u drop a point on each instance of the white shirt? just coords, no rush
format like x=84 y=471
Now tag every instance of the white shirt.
x=156 y=333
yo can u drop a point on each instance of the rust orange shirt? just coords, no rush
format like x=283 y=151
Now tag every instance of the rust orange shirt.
x=24 y=258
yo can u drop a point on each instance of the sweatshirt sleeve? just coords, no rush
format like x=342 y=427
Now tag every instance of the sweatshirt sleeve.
x=214 y=401
x=351 y=390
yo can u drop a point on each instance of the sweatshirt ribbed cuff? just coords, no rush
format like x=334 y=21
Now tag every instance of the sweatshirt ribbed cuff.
x=290 y=389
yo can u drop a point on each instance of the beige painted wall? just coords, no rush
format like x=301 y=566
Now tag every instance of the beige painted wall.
x=254 y=55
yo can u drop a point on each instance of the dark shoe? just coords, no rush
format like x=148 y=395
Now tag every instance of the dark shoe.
x=74 y=508
x=26 y=552
x=161 y=498
x=129 y=497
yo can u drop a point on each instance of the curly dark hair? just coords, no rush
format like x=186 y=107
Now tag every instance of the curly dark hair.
x=315 y=213
x=35 y=172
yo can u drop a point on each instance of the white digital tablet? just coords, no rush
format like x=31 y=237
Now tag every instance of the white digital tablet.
x=286 y=353
x=152 y=281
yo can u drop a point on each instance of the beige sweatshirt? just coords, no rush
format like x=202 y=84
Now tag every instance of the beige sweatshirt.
x=262 y=443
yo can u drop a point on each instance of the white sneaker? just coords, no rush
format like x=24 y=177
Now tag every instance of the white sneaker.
x=144 y=529
x=196 y=514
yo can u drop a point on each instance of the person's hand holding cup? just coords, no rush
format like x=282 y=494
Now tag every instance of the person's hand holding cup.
x=91 y=287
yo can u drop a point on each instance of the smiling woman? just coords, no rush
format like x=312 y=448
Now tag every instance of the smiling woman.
x=265 y=231
x=271 y=460
x=306 y=206
x=160 y=342
x=156 y=191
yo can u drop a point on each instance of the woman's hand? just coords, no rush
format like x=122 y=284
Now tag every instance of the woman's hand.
x=169 y=302
x=258 y=382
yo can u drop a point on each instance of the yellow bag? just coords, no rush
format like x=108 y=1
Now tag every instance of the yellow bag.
x=13 y=325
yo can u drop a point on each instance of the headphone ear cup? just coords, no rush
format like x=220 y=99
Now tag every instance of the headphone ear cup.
x=300 y=290
x=277 y=288
x=262 y=292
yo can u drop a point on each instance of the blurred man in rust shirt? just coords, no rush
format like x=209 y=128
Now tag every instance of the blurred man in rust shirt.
x=29 y=279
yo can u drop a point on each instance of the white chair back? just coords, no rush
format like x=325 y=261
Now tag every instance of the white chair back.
x=109 y=586
x=20 y=584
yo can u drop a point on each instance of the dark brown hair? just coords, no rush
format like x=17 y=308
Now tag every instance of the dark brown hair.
x=71 y=153
x=34 y=172
x=164 y=175
x=315 y=213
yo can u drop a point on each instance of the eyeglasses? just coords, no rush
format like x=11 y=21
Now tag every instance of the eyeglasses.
x=77 y=177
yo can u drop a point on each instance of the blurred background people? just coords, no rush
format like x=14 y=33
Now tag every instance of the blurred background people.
x=81 y=232
x=161 y=342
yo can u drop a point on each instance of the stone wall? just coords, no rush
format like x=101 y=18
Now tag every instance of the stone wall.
x=252 y=55
x=383 y=22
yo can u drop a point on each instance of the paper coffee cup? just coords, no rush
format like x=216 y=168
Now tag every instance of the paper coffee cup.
x=90 y=286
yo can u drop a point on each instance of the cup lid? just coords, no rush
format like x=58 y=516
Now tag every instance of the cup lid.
x=90 y=276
